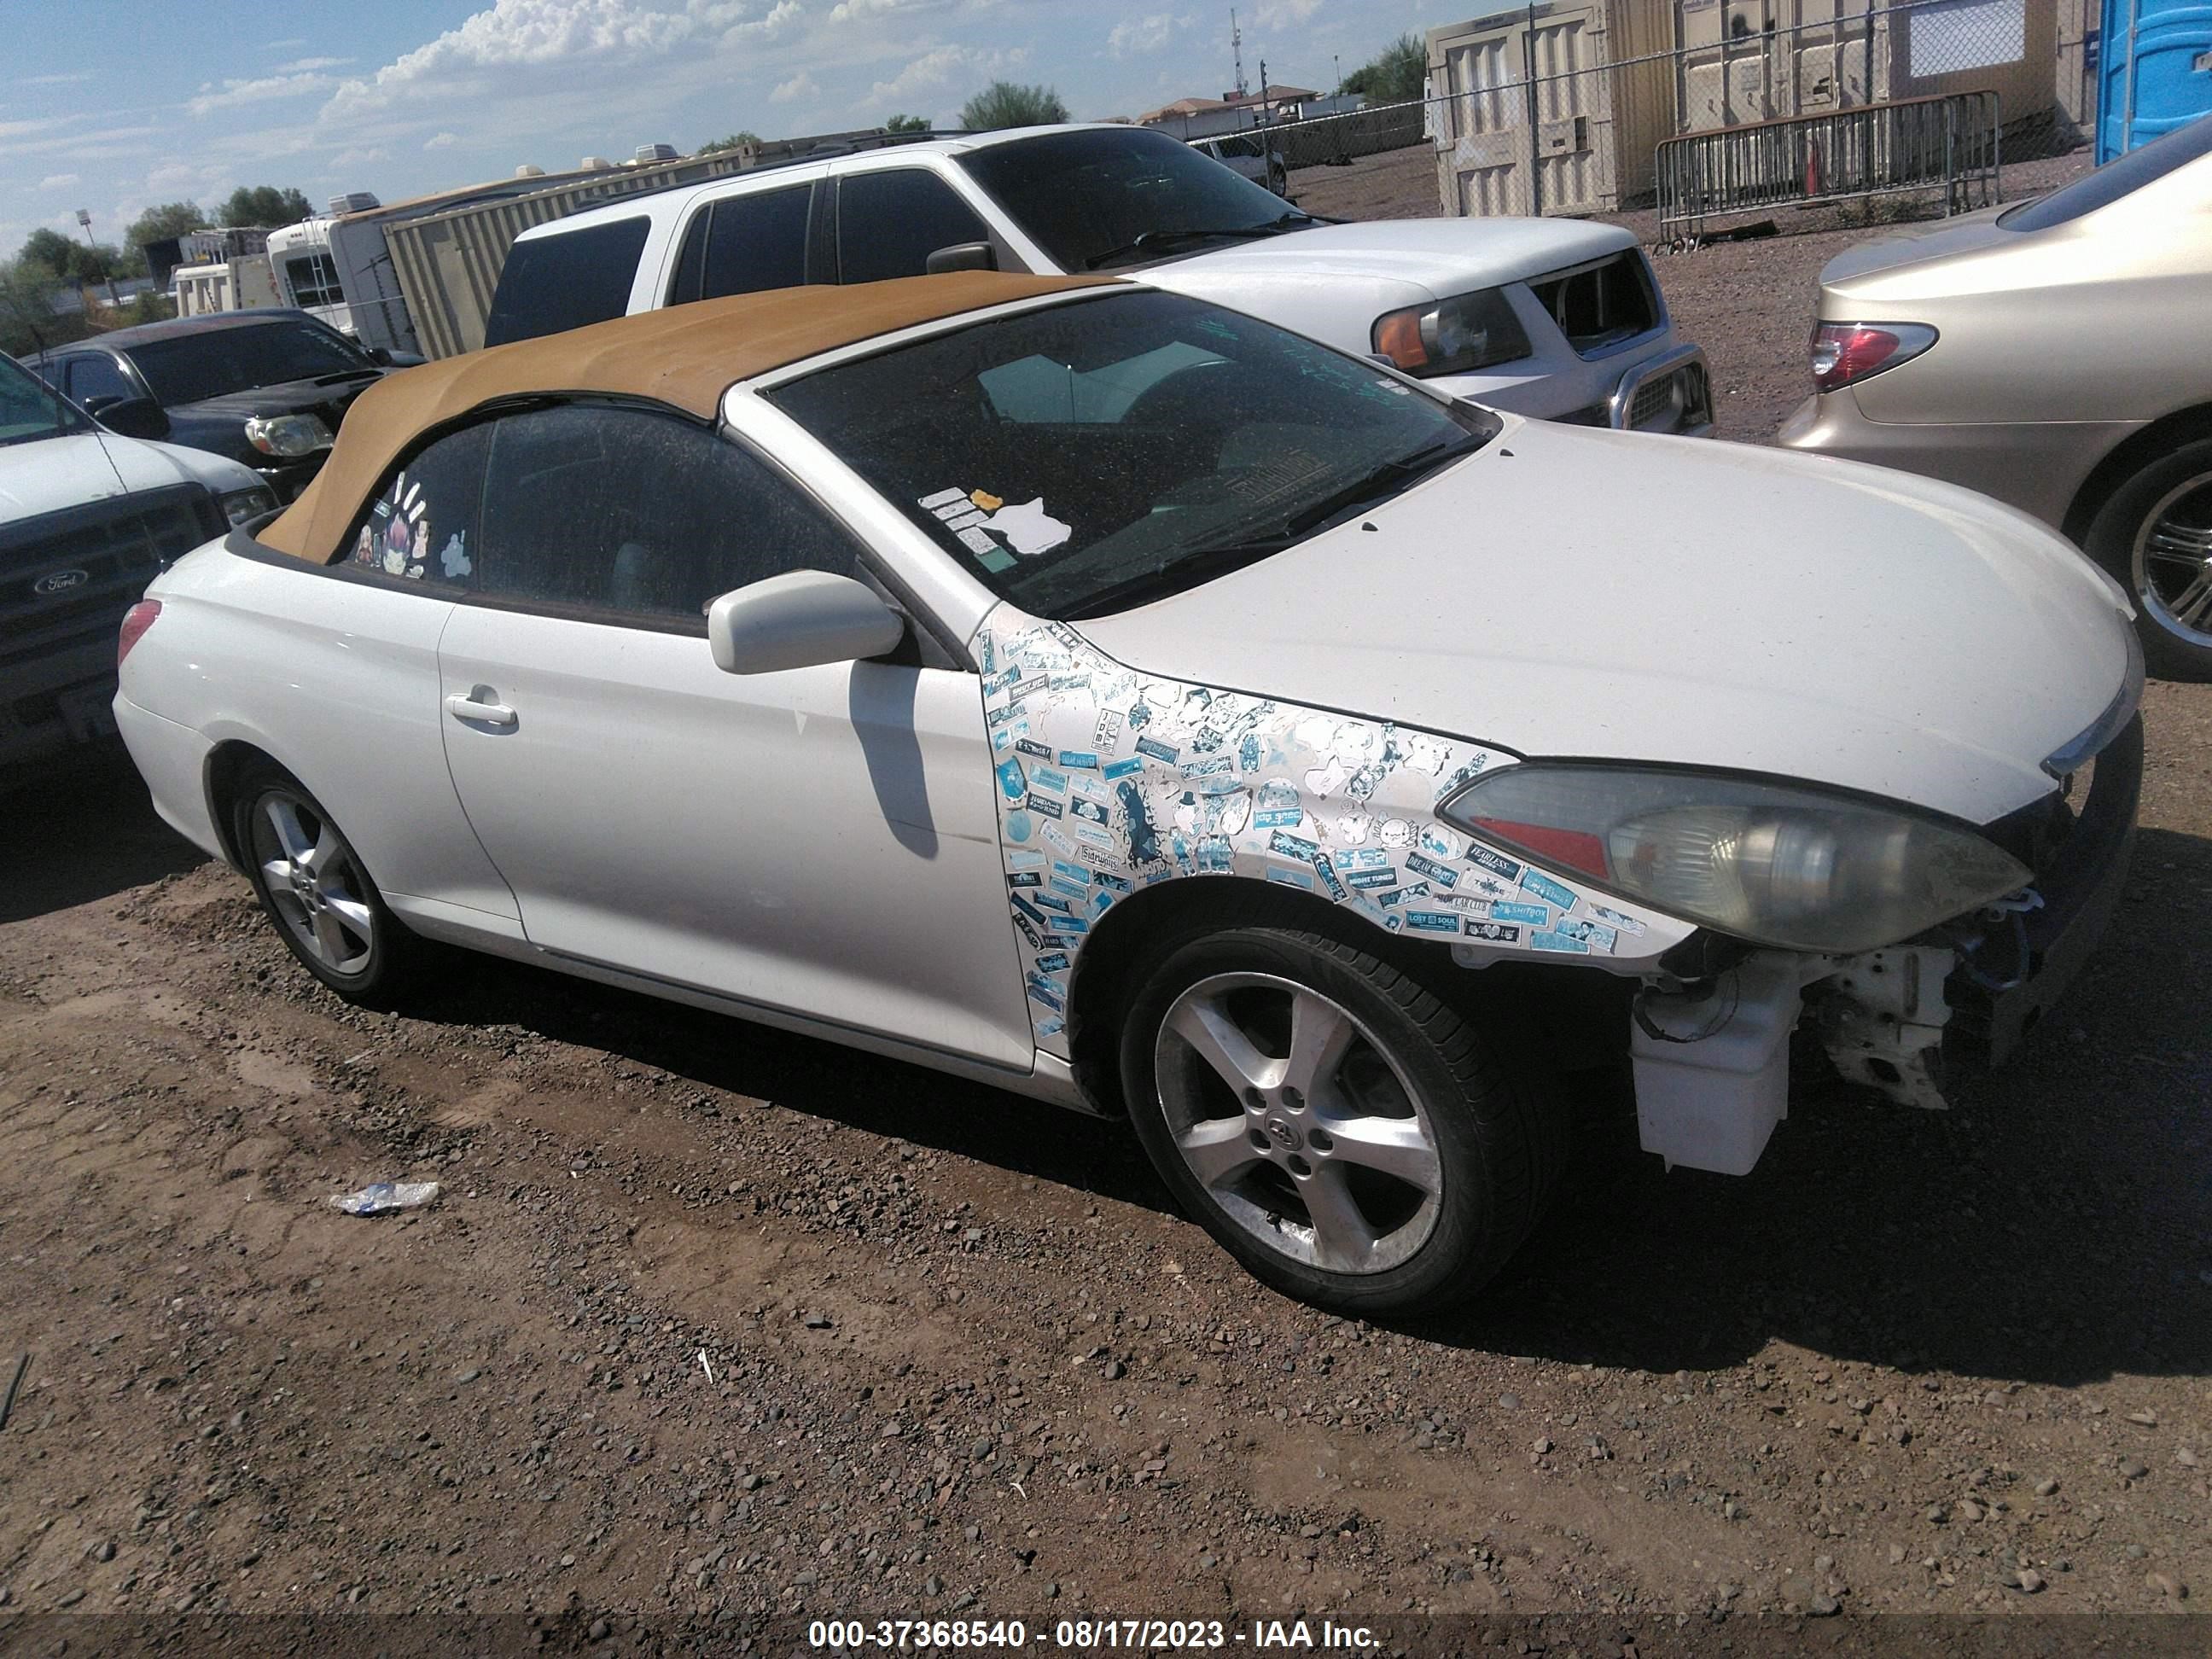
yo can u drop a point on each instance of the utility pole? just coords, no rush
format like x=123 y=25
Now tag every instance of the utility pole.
x=84 y=222
x=1236 y=52
x=1336 y=63
x=1264 y=103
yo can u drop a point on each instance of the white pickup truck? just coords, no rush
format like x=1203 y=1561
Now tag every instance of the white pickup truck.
x=1550 y=318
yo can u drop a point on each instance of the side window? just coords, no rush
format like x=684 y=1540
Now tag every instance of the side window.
x=314 y=279
x=422 y=526
x=758 y=242
x=889 y=223
x=648 y=516
x=564 y=282
x=93 y=376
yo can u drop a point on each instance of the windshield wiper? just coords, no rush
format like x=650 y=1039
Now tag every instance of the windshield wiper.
x=346 y=374
x=1156 y=240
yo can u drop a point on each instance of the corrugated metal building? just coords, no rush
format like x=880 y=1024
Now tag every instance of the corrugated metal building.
x=1612 y=78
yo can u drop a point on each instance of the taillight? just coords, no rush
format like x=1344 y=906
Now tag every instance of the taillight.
x=1846 y=352
x=136 y=621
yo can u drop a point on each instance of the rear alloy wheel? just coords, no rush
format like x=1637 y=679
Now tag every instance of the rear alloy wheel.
x=1340 y=1129
x=315 y=890
x=2155 y=535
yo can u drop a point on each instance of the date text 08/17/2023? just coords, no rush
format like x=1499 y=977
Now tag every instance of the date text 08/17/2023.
x=1084 y=1635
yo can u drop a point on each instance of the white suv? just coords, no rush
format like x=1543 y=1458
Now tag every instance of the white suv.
x=1550 y=318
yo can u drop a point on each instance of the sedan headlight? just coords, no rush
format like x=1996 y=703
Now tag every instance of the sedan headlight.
x=240 y=505
x=1451 y=336
x=287 y=435
x=1770 y=863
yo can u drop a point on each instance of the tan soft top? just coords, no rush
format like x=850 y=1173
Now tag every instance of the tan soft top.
x=686 y=356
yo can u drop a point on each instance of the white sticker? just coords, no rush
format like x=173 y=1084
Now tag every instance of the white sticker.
x=944 y=498
x=976 y=542
x=1028 y=527
x=957 y=522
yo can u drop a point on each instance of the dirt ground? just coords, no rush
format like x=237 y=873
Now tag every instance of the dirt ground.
x=712 y=1323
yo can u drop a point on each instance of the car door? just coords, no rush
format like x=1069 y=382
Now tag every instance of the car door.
x=94 y=380
x=890 y=220
x=820 y=842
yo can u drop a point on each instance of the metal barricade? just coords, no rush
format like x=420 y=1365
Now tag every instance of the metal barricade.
x=1951 y=142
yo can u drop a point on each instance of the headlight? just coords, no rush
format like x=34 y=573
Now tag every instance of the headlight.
x=287 y=435
x=1451 y=336
x=241 y=505
x=1765 y=862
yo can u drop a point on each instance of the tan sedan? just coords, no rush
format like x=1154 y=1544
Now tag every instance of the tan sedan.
x=2056 y=353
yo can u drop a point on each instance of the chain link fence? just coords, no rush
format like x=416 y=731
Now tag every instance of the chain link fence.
x=1704 y=109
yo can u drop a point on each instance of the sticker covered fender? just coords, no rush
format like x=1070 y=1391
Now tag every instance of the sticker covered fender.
x=1110 y=780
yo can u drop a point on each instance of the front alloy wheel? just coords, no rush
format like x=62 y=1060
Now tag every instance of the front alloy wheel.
x=1343 y=1132
x=2155 y=535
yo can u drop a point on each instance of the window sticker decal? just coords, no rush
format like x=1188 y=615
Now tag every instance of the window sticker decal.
x=1110 y=782
x=1028 y=528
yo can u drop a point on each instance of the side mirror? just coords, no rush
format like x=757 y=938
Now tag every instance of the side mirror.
x=962 y=256
x=134 y=417
x=380 y=356
x=801 y=619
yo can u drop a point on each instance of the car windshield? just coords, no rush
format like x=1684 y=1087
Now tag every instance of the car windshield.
x=2116 y=179
x=31 y=409
x=1096 y=455
x=185 y=368
x=1099 y=198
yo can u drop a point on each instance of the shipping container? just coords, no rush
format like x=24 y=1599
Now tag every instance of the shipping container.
x=2156 y=73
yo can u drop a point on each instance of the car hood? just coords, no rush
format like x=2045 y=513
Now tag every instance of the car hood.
x=1969 y=234
x=1439 y=256
x=52 y=474
x=286 y=398
x=1625 y=596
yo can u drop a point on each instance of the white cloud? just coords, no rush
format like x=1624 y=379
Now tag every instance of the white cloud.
x=441 y=141
x=359 y=157
x=801 y=85
x=966 y=65
x=1283 y=14
x=258 y=91
x=57 y=181
x=1144 y=35
x=308 y=65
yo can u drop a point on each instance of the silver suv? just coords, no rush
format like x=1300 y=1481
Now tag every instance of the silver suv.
x=1549 y=318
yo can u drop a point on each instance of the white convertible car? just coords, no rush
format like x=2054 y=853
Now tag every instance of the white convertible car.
x=1096 y=692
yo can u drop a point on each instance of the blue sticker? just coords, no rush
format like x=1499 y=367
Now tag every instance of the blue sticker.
x=1025 y=859
x=1073 y=926
x=1294 y=847
x=1290 y=878
x=1023 y=907
x=1019 y=827
x=1120 y=768
x=1398 y=895
x=1212 y=766
x=1118 y=883
x=1535 y=914
x=1090 y=812
x=1278 y=818
x=1559 y=942
x=1051 y=809
x=1495 y=933
x=1544 y=887
x=1497 y=863
x=1025 y=878
x=1045 y=995
x=1074 y=872
x=1364 y=858
x=1031 y=747
x=1029 y=931
x=1319 y=860
x=1000 y=716
x=1432 y=921
x=1045 y=778
x=1062 y=884
x=1590 y=932
x=1137 y=820
x=1626 y=924
x=1156 y=750
x=1078 y=757
x=1366 y=880
x=1011 y=783
x=1100 y=901
x=1435 y=872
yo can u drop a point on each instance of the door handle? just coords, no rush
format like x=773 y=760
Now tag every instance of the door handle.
x=478 y=708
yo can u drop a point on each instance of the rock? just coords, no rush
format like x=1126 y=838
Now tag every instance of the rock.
x=1969 y=1510
x=2028 y=1580
x=2045 y=1488
x=2166 y=1585
x=807 y=1575
x=103 y=1551
x=1824 y=1565
x=1116 y=1370
x=1509 y=1403
x=818 y=1321
x=1897 y=1555
x=1936 y=1514
x=933 y=1585
x=1540 y=1447
x=981 y=1448
x=2133 y=1469
x=2185 y=1457
x=1825 y=1607
x=2147 y=1419
x=469 y=1376
x=600 y=1630
x=77 y=1596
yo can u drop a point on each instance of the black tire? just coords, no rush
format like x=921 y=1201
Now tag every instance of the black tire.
x=2174 y=617
x=380 y=959
x=1498 y=1147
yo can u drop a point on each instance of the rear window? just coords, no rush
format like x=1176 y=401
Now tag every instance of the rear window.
x=564 y=282
x=1600 y=306
x=888 y=223
x=2114 y=179
x=744 y=245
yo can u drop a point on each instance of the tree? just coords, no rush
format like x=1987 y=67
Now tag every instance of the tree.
x=1003 y=104
x=266 y=206
x=27 y=322
x=157 y=224
x=1396 y=74
x=736 y=140
x=907 y=124
x=51 y=252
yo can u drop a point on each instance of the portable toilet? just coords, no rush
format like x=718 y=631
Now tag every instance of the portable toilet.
x=2156 y=73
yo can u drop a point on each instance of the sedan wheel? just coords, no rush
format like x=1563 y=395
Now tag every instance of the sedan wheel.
x=1343 y=1131
x=316 y=891
x=2155 y=535
x=1324 y=1154
x=2172 y=562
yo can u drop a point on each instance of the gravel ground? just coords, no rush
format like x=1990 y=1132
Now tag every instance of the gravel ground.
x=714 y=1323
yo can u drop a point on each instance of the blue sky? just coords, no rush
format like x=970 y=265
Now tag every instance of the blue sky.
x=112 y=106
